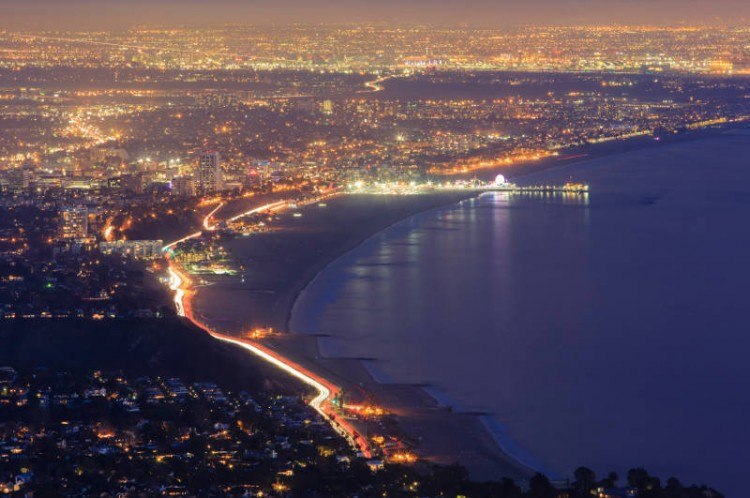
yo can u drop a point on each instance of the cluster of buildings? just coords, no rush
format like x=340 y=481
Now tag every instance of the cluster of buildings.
x=156 y=436
x=371 y=47
x=207 y=177
x=54 y=265
x=110 y=173
x=205 y=256
x=136 y=249
x=115 y=434
x=398 y=134
x=92 y=176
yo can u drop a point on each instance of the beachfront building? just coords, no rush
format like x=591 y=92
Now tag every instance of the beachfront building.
x=136 y=249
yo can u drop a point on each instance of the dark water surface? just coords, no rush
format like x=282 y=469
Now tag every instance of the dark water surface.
x=610 y=331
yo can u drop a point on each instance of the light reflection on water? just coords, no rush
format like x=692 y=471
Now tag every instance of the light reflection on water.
x=604 y=330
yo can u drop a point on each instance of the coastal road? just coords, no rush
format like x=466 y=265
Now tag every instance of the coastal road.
x=376 y=85
x=207 y=220
x=273 y=206
x=183 y=290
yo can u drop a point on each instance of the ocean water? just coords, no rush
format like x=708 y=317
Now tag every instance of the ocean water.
x=610 y=330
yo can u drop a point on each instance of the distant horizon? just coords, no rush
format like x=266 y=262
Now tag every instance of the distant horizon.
x=108 y=15
x=383 y=24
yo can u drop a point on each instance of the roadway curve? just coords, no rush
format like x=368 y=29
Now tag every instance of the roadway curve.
x=376 y=85
x=183 y=292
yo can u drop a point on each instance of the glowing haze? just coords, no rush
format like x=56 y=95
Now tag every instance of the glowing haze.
x=21 y=14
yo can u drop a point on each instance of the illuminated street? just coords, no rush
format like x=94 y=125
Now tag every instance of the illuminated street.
x=183 y=291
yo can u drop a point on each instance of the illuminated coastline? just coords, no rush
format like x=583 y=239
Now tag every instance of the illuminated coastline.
x=181 y=286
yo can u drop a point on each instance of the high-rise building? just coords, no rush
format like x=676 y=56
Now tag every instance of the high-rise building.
x=183 y=186
x=326 y=107
x=74 y=223
x=19 y=180
x=209 y=173
x=132 y=183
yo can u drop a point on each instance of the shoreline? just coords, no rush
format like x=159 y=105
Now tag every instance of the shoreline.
x=277 y=273
x=509 y=462
x=412 y=405
x=358 y=243
x=580 y=153
x=418 y=417
x=521 y=173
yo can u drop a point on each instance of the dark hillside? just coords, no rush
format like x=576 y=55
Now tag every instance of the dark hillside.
x=166 y=347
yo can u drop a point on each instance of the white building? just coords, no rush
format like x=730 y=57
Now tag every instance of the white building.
x=137 y=249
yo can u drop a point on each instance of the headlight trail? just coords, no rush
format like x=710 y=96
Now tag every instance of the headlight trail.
x=273 y=206
x=207 y=220
x=181 y=286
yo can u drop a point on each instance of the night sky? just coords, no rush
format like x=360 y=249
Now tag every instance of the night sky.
x=123 y=13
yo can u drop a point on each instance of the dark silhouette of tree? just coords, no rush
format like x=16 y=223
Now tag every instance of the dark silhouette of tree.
x=506 y=488
x=647 y=485
x=610 y=481
x=540 y=487
x=674 y=489
x=585 y=480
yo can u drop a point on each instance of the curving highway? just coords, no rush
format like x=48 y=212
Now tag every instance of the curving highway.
x=181 y=286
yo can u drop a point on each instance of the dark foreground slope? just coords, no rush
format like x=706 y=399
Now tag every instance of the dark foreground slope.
x=167 y=347
x=170 y=347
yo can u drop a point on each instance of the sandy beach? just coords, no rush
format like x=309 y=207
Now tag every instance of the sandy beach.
x=281 y=263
